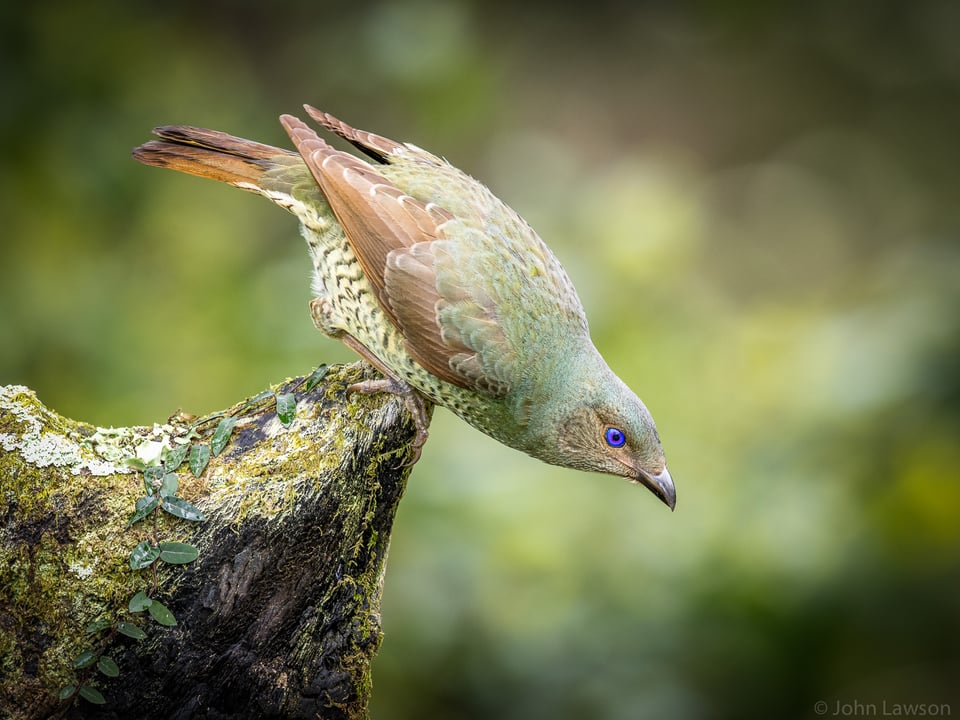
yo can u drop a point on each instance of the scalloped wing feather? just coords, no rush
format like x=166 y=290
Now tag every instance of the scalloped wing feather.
x=393 y=236
x=474 y=291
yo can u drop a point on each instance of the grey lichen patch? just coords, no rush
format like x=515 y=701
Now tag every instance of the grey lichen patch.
x=43 y=449
x=42 y=439
x=36 y=445
x=113 y=444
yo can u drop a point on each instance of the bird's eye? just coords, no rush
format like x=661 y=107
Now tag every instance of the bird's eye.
x=614 y=437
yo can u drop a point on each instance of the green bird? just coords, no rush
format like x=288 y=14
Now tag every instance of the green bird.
x=444 y=289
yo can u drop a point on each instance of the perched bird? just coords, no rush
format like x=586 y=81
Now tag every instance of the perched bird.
x=443 y=288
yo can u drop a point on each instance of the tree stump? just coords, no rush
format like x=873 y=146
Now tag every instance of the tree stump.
x=278 y=617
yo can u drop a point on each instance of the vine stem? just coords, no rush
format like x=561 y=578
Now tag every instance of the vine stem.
x=86 y=673
x=156 y=543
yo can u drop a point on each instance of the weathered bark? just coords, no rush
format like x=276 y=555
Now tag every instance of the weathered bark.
x=279 y=615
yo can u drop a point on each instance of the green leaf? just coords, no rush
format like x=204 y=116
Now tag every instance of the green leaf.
x=91 y=694
x=153 y=474
x=135 y=462
x=67 y=691
x=199 y=457
x=260 y=397
x=286 y=408
x=145 y=506
x=182 y=509
x=174 y=457
x=85 y=659
x=178 y=553
x=222 y=434
x=107 y=666
x=160 y=613
x=139 y=602
x=315 y=377
x=131 y=630
x=256 y=400
x=169 y=485
x=143 y=555
x=98 y=625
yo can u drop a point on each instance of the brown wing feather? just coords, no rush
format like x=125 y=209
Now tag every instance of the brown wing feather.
x=377 y=146
x=411 y=289
x=391 y=233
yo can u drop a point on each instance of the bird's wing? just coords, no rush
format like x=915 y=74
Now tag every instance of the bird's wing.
x=376 y=146
x=437 y=289
x=404 y=247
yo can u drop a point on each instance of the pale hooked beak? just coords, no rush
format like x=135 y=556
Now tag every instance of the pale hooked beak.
x=662 y=486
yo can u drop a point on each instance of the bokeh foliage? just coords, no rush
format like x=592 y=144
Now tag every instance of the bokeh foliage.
x=758 y=203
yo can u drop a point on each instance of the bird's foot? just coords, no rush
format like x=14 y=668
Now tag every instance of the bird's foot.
x=415 y=403
x=412 y=400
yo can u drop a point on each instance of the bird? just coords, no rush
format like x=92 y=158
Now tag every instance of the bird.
x=443 y=288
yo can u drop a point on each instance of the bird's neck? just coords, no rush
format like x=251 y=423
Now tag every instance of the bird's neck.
x=544 y=401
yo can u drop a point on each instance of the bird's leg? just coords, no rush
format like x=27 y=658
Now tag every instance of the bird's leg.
x=412 y=399
x=414 y=402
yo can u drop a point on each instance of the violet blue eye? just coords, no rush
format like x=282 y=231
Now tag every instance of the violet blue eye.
x=614 y=437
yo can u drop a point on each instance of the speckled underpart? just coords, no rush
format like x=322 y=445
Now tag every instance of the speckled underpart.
x=352 y=308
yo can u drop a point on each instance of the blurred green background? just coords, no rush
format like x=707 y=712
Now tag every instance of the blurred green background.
x=759 y=205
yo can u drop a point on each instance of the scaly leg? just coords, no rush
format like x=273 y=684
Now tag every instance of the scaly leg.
x=415 y=403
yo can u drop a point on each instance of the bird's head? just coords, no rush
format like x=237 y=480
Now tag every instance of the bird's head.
x=600 y=425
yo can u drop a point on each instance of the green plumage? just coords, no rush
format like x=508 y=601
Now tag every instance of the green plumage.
x=444 y=288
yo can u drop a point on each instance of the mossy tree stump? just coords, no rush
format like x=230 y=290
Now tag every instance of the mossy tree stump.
x=279 y=615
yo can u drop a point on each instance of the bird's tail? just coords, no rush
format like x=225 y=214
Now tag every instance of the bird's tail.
x=215 y=155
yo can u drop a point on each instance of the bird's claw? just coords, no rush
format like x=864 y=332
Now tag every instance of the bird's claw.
x=414 y=402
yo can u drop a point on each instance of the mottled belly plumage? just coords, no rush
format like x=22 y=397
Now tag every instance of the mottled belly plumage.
x=351 y=307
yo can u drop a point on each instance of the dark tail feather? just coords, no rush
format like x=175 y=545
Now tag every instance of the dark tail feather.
x=212 y=154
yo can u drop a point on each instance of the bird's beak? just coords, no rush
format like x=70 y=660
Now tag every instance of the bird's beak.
x=661 y=485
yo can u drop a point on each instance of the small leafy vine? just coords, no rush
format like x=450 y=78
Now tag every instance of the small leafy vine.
x=161 y=484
